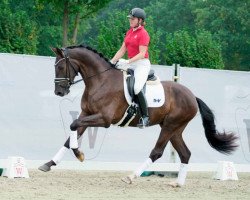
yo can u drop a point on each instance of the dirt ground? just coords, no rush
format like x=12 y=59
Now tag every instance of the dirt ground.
x=74 y=185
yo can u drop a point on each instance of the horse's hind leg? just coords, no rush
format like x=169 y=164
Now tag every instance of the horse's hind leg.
x=156 y=153
x=59 y=155
x=171 y=132
x=184 y=154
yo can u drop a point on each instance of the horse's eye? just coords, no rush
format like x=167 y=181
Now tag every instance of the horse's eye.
x=60 y=67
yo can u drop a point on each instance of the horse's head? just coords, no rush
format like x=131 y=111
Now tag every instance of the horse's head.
x=65 y=72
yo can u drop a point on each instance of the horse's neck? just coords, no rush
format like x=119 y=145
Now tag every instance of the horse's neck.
x=93 y=69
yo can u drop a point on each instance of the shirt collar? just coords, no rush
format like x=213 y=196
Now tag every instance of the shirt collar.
x=138 y=28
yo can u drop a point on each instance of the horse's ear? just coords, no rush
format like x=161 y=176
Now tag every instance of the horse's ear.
x=57 y=51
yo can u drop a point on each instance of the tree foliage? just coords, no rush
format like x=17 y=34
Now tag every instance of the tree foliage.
x=18 y=34
x=229 y=22
x=72 y=12
x=110 y=34
x=199 y=50
x=197 y=33
x=172 y=15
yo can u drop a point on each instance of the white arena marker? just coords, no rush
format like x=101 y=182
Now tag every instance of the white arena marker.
x=226 y=171
x=16 y=168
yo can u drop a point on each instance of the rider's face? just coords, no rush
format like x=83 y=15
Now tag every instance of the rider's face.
x=133 y=21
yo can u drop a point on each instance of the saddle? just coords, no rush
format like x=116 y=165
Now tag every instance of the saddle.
x=153 y=90
x=131 y=80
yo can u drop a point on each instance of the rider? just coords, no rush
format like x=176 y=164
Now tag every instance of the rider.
x=136 y=44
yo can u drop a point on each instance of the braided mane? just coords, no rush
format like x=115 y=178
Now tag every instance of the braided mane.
x=93 y=50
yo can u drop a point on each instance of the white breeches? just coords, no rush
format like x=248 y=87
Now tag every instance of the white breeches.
x=141 y=69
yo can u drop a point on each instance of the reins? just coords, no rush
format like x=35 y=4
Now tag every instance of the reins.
x=99 y=73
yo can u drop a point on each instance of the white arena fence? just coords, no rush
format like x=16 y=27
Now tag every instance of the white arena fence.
x=35 y=123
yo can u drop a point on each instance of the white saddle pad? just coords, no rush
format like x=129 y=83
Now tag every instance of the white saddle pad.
x=154 y=92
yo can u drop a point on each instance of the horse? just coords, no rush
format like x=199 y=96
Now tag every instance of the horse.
x=103 y=104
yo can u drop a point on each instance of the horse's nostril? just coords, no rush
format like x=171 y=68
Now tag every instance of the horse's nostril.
x=59 y=93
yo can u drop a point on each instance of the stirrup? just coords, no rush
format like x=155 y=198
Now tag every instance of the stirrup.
x=143 y=122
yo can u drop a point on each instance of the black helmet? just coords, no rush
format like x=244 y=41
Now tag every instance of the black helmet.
x=137 y=12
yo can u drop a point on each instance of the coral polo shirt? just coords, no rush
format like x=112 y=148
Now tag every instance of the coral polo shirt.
x=134 y=39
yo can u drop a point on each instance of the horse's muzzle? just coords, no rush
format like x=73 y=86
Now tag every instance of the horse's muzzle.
x=59 y=91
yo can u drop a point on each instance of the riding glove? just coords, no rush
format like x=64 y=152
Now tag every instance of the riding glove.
x=122 y=64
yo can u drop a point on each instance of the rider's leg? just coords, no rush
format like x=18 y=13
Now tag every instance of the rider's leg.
x=144 y=120
x=141 y=70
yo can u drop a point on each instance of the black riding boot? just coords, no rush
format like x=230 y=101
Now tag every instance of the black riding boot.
x=144 y=120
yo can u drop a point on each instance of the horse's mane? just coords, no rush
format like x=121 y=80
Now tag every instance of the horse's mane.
x=93 y=50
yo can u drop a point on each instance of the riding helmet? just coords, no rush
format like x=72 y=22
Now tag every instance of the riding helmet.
x=137 y=12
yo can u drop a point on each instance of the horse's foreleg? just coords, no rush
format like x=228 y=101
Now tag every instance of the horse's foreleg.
x=56 y=159
x=73 y=143
x=60 y=154
x=96 y=120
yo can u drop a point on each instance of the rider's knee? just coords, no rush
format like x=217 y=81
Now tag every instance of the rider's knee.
x=137 y=90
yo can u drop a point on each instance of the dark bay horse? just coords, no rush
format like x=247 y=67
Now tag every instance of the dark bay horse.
x=103 y=103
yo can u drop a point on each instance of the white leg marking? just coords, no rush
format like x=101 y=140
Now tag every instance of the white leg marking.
x=129 y=179
x=73 y=140
x=181 y=176
x=59 y=155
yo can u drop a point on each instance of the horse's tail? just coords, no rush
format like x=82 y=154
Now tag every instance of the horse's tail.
x=222 y=142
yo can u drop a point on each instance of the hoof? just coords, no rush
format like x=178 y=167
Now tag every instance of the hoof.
x=174 y=184
x=78 y=154
x=80 y=157
x=44 y=168
x=129 y=179
x=73 y=128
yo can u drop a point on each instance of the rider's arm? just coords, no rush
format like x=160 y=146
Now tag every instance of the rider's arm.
x=140 y=55
x=120 y=53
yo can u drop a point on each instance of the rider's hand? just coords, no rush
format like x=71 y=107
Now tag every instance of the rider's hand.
x=112 y=62
x=122 y=64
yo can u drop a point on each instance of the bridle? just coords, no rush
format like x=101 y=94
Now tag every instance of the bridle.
x=70 y=65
